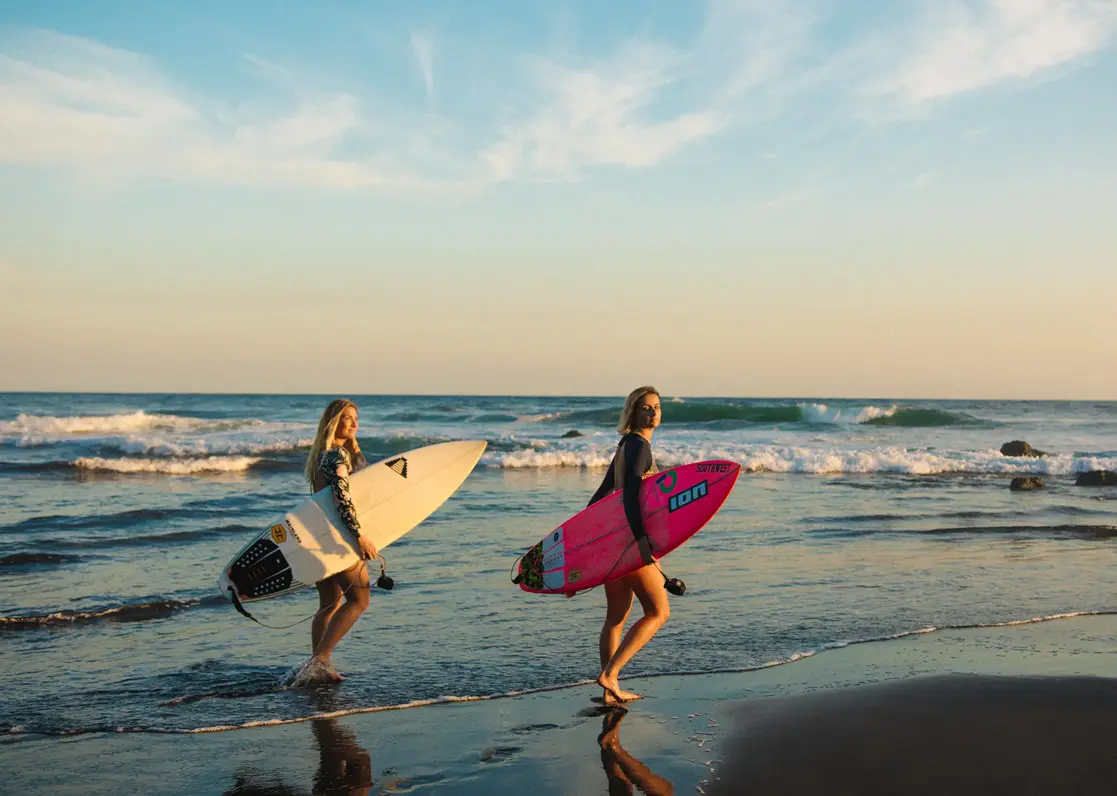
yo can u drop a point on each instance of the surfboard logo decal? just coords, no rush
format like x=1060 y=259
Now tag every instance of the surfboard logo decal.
x=665 y=487
x=279 y=534
x=399 y=465
x=688 y=496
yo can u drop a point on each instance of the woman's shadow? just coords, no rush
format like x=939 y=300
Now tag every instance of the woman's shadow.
x=623 y=770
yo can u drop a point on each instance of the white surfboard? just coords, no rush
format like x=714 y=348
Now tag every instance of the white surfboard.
x=311 y=542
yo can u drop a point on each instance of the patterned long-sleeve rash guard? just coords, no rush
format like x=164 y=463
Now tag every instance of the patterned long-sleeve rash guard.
x=336 y=464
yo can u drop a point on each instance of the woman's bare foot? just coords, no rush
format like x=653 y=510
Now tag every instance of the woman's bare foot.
x=313 y=672
x=323 y=670
x=613 y=689
x=608 y=699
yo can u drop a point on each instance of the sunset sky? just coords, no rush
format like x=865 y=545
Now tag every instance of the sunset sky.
x=734 y=198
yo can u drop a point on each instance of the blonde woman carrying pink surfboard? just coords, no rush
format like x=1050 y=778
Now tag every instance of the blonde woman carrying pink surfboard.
x=632 y=520
x=632 y=462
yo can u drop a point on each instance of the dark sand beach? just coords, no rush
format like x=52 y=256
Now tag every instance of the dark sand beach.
x=1029 y=708
x=960 y=734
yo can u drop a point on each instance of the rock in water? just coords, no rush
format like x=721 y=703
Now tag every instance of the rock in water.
x=1025 y=483
x=572 y=433
x=1019 y=447
x=1097 y=478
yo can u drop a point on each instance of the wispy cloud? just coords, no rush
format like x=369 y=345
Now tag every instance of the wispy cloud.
x=422 y=45
x=747 y=45
x=966 y=45
x=923 y=180
x=78 y=104
x=649 y=100
x=601 y=115
x=67 y=101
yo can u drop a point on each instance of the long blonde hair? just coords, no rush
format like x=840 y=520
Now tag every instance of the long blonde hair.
x=327 y=427
x=628 y=414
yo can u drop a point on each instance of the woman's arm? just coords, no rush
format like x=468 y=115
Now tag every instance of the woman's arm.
x=335 y=467
x=637 y=455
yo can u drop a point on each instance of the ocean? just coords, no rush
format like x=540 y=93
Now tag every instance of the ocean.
x=853 y=520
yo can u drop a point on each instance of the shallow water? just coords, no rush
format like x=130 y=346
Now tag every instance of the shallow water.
x=856 y=520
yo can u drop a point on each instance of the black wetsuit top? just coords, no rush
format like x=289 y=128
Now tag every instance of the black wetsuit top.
x=636 y=461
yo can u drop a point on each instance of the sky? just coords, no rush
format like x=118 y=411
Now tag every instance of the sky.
x=816 y=198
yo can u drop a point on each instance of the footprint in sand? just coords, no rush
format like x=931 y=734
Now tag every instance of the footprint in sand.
x=498 y=753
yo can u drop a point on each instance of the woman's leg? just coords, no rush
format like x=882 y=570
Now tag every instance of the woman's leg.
x=618 y=597
x=647 y=584
x=354 y=582
x=329 y=600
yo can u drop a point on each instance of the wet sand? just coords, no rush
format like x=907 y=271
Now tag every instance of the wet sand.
x=956 y=734
x=1026 y=709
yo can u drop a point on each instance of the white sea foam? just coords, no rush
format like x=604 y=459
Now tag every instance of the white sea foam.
x=35 y=430
x=541 y=459
x=210 y=464
x=817 y=460
x=256 y=445
x=48 y=425
x=822 y=414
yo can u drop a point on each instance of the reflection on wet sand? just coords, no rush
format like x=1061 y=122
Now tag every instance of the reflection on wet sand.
x=623 y=770
x=344 y=767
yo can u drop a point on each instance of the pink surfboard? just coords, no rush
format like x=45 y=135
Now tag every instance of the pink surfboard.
x=596 y=545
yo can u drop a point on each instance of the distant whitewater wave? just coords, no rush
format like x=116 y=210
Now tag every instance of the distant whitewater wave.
x=683 y=413
x=285 y=444
x=33 y=430
x=588 y=452
x=209 y=464
x=822 y=460
x=213 y=454
x=208 y=446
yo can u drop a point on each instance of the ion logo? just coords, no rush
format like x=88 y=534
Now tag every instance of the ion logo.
x=667 y=481
x=688 y=496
